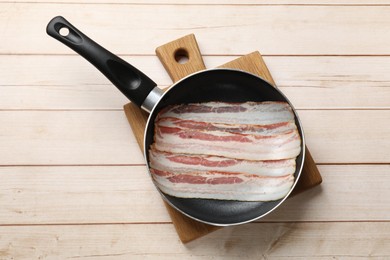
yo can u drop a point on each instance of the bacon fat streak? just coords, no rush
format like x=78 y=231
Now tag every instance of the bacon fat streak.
x=184 y=163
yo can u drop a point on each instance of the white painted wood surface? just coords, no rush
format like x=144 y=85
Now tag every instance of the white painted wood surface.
x=231 y=29
x=73 y=183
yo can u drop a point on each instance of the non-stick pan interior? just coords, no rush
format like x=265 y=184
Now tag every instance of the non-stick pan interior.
x=225 y=86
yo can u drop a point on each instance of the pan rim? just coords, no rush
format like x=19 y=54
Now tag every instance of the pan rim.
x=303 y=147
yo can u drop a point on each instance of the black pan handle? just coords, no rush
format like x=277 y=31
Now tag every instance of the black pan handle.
x=135 y=85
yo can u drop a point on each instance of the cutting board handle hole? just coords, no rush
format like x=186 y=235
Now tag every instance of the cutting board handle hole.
x=181 y=56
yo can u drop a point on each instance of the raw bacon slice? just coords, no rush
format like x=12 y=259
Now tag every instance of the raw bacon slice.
x=272 y=129
x=185 y=163
x=232 y=145
x=223 y=186
x=258 y=113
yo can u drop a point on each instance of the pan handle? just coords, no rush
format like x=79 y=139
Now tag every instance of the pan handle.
x=135 y=85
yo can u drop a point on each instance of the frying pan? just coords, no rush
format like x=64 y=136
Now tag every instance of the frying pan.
x=225 y=85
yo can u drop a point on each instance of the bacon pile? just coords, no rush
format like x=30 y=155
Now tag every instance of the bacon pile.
x=227 y=151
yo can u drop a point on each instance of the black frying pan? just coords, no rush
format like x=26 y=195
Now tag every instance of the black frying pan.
x=225 y=85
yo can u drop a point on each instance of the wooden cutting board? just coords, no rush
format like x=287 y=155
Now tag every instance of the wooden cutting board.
x=170 y=55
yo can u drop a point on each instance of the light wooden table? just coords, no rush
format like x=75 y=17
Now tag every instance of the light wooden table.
x=73 y=183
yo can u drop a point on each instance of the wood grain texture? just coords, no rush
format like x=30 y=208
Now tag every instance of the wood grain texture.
x=126 y=194
x=221 y=2
x=293 y=30
x=66 y=138
x=105 y=137
x=252 y=63
x=137 y=119
x=186 y=48
x=345 y=218
x=253 y=241
x=71 y=83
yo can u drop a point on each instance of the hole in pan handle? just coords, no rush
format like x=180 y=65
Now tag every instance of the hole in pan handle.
x=135 y=85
